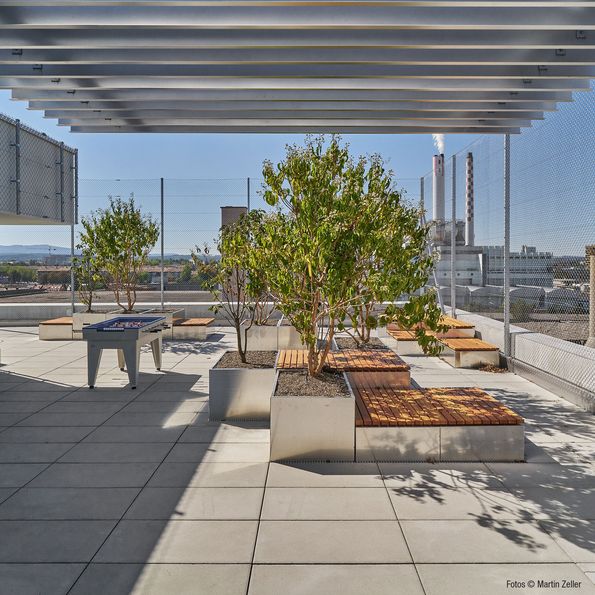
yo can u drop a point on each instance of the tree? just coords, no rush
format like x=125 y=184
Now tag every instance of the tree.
x=121 y=238
x=236 y=280
x=322 y=255
x=186 y=273
x=87 y=269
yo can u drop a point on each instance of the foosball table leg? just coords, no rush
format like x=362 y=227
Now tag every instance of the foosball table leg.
x=156 y=348
x=93 y=359
x=121 y=362
x=132 y=359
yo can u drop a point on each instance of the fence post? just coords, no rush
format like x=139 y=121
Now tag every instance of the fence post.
x=453 y=241
x=162 y=248
x=61 y=163
x=507 y=344
x=75 y=202
x=17 y=169
x=248 y=193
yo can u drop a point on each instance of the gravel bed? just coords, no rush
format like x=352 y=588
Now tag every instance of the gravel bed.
x=349 y=343
x=298 y=383
x=255 y=359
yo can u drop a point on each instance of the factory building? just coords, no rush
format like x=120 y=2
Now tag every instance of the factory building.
x=478 y=266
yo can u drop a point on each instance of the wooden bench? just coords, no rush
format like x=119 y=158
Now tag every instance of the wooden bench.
x=469 y=353
x=56 y=329
x=191 y=328
x=372 y=361
x=432 y=424
x=456 y=328
x=406 y=342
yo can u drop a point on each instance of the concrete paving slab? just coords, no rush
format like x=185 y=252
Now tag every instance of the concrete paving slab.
x=116 y=453
x=95 y=475
x=220 y=453
x=210 y=475
x=44 y=434
x=15 y=475
x=65 y=419
x=68 y=503
x=495 y=579
x=327 y=504
x=335 y=579
x=331 y=542
x=480 y=541
x=33 y=453
x=329 y=475
x=149 y=434
x=156 y=419
x=575 y=536
x=33 y=579
x=186 y=542
x=51 y=541
x=226 y=432
x=159 y=579
x=187 y=503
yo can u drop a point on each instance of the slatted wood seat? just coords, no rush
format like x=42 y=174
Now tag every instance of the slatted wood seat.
x=185 y=322
x=61 y=320
x=380 y=404
x=456 y=328
x=469 y=353
x=372 y=360
x=400 y=335
x=191 y=328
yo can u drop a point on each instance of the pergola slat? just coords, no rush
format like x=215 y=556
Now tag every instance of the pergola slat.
x=374 y=66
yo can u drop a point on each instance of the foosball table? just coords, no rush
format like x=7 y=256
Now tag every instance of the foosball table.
x=127 y=334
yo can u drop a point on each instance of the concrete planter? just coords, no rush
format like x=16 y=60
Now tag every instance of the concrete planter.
x=313 y=428
x=170 y=314
x=262 y=338
x=82 y=319
x=288 y=337
x=241 y=393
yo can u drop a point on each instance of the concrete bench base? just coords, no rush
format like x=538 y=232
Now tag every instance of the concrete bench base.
x=442 y=443
x=58 y=329
x=470 y=359
x=190 y=329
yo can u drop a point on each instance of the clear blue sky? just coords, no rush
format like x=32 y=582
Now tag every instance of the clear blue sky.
x=553 y=167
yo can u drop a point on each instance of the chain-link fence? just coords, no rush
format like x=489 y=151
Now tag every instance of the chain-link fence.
x=37 y=177
x=551 y=225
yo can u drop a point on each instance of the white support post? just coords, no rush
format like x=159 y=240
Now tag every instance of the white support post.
x=507 y=343
x=162 y=288
x=453 y=241
x=75 y=201
x=248 y=193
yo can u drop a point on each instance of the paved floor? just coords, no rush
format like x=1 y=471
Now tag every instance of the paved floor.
x=116 y=491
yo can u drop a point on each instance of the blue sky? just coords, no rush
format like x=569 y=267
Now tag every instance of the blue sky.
x=553 y=167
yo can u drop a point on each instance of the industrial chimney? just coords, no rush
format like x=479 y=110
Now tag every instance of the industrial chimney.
x=470 y=200
x=438 y=188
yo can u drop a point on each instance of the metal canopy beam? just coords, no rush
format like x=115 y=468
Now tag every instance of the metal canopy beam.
x=392 y=66
x=303 y=55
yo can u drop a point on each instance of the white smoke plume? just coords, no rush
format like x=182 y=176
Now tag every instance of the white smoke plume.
x=439 y=142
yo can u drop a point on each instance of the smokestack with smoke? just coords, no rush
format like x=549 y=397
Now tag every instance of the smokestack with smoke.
x=470 y=199
x=438 y=188
x=439 y=142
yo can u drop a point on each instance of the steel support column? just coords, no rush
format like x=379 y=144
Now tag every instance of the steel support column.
x=162 y=288
x=507 y=343
x=453 y=241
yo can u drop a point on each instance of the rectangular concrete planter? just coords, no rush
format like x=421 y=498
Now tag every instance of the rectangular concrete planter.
x=262 y=338
x=241 y=393
x=313 y=428
x=82 y=319
x=288 y=337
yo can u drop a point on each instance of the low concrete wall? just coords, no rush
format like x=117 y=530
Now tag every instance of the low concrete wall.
x=564 y=368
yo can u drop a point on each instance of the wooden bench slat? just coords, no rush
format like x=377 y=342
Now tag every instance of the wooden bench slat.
x=469 y=344
x=61 y=320
x=193 y=321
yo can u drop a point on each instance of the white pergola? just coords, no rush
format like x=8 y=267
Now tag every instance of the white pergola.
x=350 y=66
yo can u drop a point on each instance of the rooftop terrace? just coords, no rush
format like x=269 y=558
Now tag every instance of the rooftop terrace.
x=118 y=491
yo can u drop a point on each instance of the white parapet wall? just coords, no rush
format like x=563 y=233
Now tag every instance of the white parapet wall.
x=565 y=368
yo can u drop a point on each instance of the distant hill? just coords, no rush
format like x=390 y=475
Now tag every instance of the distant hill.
x=21 y=249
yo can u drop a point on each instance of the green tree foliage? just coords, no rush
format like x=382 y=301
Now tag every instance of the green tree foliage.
x=120 y=239
x=18 y=273
x=341 y=241
x=186 y=273
x=236 y=280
